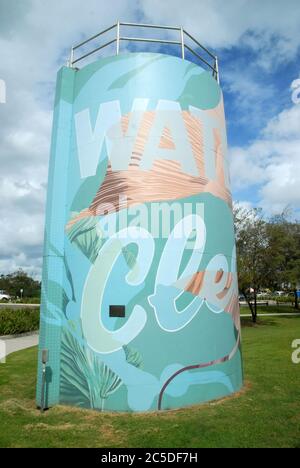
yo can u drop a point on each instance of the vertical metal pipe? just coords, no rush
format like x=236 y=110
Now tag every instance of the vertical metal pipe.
x=217 y=69
x=43 y=388
x=44 y=362
x=182 y=42
x=71 y=58
x=118 y=37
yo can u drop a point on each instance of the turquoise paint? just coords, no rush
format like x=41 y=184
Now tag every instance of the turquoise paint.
x=181 y=302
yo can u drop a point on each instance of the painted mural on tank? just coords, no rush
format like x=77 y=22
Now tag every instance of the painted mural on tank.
x=139 y=216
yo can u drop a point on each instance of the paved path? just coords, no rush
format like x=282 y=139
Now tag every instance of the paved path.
x=10 y=305
x=12 y=345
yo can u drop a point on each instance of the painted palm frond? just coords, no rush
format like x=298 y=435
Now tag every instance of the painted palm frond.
x=85 y=379
x=74 y=364
x=111 y=382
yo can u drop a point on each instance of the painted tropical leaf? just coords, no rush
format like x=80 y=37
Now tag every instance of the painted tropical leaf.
x=130 y=253
x=86 y=235
x=57 y=296
x=85 y=379
x=56 y=286
x=133 y=357
x=89 y=187
x=70 y=279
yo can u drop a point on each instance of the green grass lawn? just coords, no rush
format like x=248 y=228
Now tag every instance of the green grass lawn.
x=271 y=309
x=265 y=414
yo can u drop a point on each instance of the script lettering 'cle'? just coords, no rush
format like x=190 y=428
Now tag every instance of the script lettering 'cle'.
x=119 y=144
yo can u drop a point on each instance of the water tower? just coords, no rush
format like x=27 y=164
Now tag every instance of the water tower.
x=140 y=304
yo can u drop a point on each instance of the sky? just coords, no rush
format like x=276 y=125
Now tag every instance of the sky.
x=258 y=44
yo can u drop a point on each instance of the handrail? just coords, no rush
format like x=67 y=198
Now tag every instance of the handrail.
x=93 y=51
x=95 y=36
x=198 y=43
x=146 y=39
x=209 y=59
x=154 y=26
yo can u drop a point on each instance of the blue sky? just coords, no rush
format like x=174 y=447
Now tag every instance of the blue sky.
x=274 y=84
x=258 y=44
x=245 y=125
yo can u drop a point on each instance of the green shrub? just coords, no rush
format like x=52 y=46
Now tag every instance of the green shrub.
x=278 y=299
x=13 y=322
x=24 y=300
x=29 y=300
x=284 y=299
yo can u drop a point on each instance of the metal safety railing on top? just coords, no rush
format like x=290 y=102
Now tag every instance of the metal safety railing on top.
x=206 y=57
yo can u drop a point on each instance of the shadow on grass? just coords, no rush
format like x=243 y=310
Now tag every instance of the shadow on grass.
x=261 y=322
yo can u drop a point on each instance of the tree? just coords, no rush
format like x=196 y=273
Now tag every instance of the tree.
x=268 y=253
x=252 y=244
x=14 y=282
x=288 y=244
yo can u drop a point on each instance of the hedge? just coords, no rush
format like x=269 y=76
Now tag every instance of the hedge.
x=13 y=321
x=24 y=300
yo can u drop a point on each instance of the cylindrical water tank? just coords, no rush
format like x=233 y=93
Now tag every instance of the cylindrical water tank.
x=139 y=295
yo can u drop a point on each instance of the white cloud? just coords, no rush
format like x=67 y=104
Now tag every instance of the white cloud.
x=252 y=98
x=269 y=27
x=272 y=162
x=286 y=125
x=35 y=37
